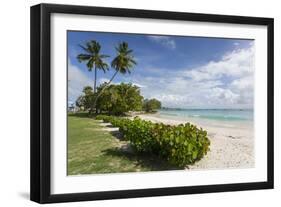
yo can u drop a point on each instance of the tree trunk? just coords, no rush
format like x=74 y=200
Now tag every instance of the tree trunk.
x=95 y=102
x=95 y=87
x=95 y=80
x=90 y=112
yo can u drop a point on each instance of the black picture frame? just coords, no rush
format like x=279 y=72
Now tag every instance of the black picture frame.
x=41 y=96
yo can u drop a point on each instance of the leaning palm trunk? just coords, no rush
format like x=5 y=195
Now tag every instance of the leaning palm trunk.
x=102 y=90
x=95 y=79
x=95 y=86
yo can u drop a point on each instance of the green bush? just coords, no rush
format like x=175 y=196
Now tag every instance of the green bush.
x=101 y=117
x=181 y=145
x=140 y=135
x=151 y=105
x=105 y=118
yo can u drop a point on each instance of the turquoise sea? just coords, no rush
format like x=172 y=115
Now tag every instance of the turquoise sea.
x=229 y=115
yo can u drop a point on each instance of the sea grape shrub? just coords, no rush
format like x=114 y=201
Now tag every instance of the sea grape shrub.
x=140 y=135
x=105 y=118
x=119 y=122
x=183 y=144
x=180 y=145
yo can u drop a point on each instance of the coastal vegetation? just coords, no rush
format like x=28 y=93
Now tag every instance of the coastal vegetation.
x=180 y=145
x=116 y=99
x=119 y=99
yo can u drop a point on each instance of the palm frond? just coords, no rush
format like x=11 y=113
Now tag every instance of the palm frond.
x=90 y=64
x=93 y=56
x=83 y=57
x=86 y=49
x=124 y=61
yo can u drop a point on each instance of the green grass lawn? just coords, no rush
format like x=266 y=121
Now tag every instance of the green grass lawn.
x=91 y=149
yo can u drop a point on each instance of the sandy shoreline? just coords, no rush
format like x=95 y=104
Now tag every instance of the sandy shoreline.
x=232 y=145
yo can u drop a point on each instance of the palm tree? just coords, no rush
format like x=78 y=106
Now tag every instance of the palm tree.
x=93 y=58
x=123 y=63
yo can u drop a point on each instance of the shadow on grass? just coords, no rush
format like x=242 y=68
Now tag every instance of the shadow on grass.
x=143 y=160
x=117 y=134
x=84 y=114
x=81 y=115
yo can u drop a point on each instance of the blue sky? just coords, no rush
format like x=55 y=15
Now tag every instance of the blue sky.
x=185 y=72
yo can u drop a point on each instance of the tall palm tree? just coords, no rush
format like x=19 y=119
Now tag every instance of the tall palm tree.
x=93 y=58
x=123 y=63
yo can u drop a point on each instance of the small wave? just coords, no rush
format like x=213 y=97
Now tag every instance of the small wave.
x=210 y=114
x=169 y=114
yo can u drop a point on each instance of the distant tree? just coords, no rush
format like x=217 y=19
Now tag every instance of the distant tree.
x=118 y=99
x=86 y=100
x=151 y=105
x=93 y=58
x=80 y=103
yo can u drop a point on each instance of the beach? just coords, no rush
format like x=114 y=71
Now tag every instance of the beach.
x=232 y=143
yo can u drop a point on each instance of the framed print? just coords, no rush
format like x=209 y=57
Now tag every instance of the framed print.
x=133 y=103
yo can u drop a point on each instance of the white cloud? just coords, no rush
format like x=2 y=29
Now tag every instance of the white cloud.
x=102 y=80
x=164 y=40
x=139 y=85
x=243 y=83
x=76 y=81
x=221 y=95
x=236 y=64
x=222 y=84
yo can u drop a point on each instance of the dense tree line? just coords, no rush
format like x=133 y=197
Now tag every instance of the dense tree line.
x=115 y=100
x=118 y=99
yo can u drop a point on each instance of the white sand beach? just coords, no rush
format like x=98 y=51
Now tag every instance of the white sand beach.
x=232 y=145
